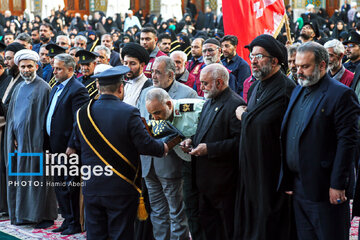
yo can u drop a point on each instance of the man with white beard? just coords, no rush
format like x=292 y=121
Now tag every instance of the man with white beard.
x=24 y=133
x=215 y=153
x=211 y=51
x=336 y=70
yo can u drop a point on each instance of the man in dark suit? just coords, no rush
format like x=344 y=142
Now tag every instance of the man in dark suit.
x=110 y=200
x=107 y=41
x=215 y=151
x=65 y=99
x=319 y=142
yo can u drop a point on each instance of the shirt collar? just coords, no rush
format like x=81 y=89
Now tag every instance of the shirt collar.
x=154 y=52
x=65 y=82
x=132 y=81
x=234 y=59
x=184 y=77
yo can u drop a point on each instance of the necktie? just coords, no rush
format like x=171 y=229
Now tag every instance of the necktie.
x=52 y=108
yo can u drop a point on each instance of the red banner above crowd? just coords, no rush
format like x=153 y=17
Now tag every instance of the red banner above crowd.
x=247 y=19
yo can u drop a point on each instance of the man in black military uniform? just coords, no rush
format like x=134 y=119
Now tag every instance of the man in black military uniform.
x=352 y=51
x=53 y=51
x=111 y=198
x=87 y=66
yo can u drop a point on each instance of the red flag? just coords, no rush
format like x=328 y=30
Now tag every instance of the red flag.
x=248 y=19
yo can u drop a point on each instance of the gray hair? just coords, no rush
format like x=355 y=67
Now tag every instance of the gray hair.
x=218 y=71
x=102 y=47
x=293 y=48
x=319 y=51
x=24 y=37
x=64 y=36
x=169 y=63
x=80 y=37
x=336 y=45
x=181 y=53
x=158 y=94
x=67 y=59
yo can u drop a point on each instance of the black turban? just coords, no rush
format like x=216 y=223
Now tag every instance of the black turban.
x=137 y=51
x=14 y=47
x=212 y=41
x=272 y=46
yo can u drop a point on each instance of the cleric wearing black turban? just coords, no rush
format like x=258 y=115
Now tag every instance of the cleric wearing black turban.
x=262 y=212
x=135 y=57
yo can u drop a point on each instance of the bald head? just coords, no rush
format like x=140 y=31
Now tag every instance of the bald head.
x=214 y=79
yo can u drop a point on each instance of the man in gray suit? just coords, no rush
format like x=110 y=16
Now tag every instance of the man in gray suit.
x=163 y=175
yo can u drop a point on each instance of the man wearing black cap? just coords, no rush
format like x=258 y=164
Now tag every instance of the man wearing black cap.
x=258 y=205
x=211 y=51
x=352 y=51
x=309 y=32
x=135 y=57
x=87 y=65
x=111 y=200
x=14 y=77
x=53 y=51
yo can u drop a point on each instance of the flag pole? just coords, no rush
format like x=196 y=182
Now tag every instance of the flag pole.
x=287 y=27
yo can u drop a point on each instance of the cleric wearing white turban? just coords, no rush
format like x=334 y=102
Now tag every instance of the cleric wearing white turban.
x=26 y=54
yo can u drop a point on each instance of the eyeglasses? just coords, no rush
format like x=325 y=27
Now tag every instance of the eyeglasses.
x=351 y=45
x=258 y=57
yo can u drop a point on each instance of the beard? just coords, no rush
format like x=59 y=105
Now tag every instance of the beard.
x=334 y=66
x=213 y=92
x=44 y=38
x=28 y=76
x=262 y=72
x=304 y=36
x=36 y=41
x=210 y=59
x=132 y=75
x=309 y=80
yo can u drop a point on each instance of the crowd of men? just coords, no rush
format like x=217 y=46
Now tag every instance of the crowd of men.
x=270 y=150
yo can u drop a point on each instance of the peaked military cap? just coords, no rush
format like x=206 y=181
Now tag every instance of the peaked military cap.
x=86 y=56
x=111 y=75
x=354 y=37
x=54 y=49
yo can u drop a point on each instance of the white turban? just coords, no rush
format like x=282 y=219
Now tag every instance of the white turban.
x=26 y=54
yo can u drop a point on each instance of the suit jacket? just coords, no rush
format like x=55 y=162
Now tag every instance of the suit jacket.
x=130 y=138
x=356 y=77
x=328 y=140
x=169 y=166
x=114 y=59
x=73 y=96
x=216 y=172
